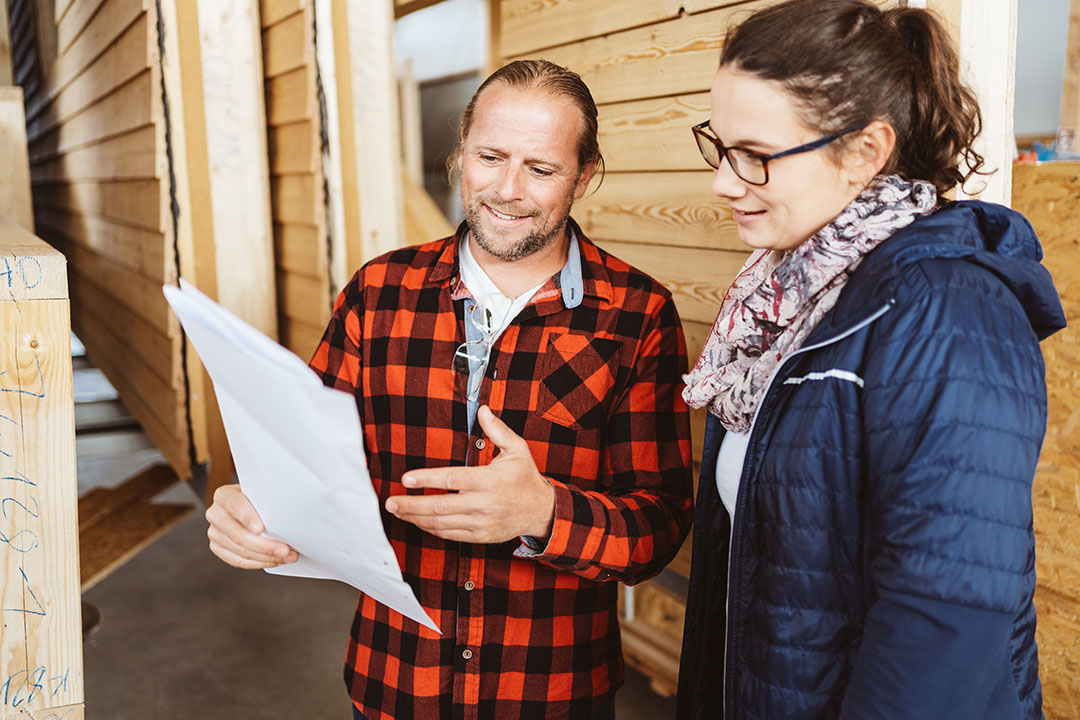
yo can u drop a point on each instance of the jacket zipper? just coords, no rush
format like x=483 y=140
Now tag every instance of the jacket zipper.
x=736 y=534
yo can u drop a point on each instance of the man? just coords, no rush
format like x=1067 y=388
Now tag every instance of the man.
x=518 y=389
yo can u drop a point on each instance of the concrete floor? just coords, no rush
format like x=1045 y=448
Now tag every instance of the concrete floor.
x=182 y=635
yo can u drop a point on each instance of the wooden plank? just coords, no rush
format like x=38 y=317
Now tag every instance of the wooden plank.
x=1070 y=96
x=74 y=21
x=130 y=107
x=293 y=199
x=671 y=208
x=673 y=57
x=112 y=19
x=300 y=249
x=369 y=28
x=404 y=7
x=272 y=12
x=41 y=646
x=139 y=294
x=236 y=141
x=339 y=215
x=15 y=200
x=290 y=97
x=124 y=60
x=68 y=712
x=134 y=202
x=529 y=25
x=293 y=148
x=131 y=156
x=650 y=135
x=696 y=278
x=159 y=349
x=60 y=8
x=140 y=250
x=300 y=337
x=287 y=45
x=304 y=298
x=412 y=136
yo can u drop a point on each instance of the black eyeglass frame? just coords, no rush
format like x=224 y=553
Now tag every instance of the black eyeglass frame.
x=722 y=150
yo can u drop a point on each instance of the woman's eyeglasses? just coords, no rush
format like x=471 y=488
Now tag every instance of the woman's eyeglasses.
x=750 y=166
x=472 y=356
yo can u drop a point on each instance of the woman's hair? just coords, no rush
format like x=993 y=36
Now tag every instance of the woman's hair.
x=553 y=79
x=847 y=62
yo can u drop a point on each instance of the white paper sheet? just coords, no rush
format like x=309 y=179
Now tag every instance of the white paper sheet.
x=299 y=454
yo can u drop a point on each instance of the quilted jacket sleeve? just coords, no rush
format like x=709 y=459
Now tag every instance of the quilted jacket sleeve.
x=955 y=412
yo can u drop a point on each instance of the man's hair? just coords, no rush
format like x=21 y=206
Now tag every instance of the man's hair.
x=553 y=79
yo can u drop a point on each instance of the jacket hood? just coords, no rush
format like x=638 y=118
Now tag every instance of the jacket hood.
x=991 y=236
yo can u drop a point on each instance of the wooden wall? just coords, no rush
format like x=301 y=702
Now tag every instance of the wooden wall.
x=98 y=155
x=294 y=133
x=1049 y=195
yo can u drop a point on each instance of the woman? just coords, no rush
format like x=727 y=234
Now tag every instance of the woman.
x=863 y=542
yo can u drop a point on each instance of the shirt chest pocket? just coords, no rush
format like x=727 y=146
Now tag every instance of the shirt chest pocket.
x=578 y=374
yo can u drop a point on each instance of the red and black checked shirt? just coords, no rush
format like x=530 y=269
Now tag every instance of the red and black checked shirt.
x=595 y=392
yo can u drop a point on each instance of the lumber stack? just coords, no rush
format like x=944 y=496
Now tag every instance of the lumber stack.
x=139 y=178
x=41 y=644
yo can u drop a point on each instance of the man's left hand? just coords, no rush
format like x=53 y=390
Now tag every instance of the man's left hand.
x=486 y=504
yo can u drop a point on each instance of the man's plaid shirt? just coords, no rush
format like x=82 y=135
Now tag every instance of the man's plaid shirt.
x=594 y=390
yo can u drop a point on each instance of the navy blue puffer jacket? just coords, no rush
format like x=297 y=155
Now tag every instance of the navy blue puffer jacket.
x=882 y=563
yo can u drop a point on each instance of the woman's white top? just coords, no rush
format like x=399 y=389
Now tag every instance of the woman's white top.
x=729 y=465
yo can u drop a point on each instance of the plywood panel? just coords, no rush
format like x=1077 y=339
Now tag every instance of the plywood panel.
x=674 y=57
x=528 y=25
x=290 y=97
x=299 y=250
x=15 y=176
x=41 y=646
x=672 y=208
x=130 y=156
x=649 y=135
x=130 y=107
x=1049 y=195
x=696 y=278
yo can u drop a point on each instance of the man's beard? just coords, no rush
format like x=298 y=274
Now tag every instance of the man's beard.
x=533 y=242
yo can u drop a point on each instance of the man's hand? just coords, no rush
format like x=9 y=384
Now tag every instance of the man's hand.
x=488 y=504
x=235 y=533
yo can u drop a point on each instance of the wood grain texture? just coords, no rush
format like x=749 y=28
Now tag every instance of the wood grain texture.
x=287 y=45
x=674 y=57
x=529 y=25
x=41 y=646
x=654 y=134
x=136 y=249
x=298 y=250
x=290 y=97
x=294 y=149
x=1049 y=196
x=131 y=156
x=672 y=208
x=271 y=12
x=132 y=202
x=74 y=21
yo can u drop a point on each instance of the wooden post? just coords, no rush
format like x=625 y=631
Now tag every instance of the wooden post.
x=41 y=644
x=375 y=121
x=15 y=176
x=1070 y=98
x=985 y=33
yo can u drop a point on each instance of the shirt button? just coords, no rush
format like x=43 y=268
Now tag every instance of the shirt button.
x=481 y=443
x=466 y=653
x=469 y=585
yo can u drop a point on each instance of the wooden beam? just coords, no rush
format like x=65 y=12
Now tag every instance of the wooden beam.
x=985 y=34
x=15 y=177
x=232 y=75
x=375 y=122
x=1070 y=99
x=404 y=7
x=41 y=645
x=528 y=26
x=653 y=134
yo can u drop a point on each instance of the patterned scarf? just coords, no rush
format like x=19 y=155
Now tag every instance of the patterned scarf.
x=778 y=298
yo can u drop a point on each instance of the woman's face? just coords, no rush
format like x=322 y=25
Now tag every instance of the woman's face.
x=805 y=191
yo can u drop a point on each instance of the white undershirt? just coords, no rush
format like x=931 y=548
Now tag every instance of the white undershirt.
x=500 y=309
x=729 y=466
